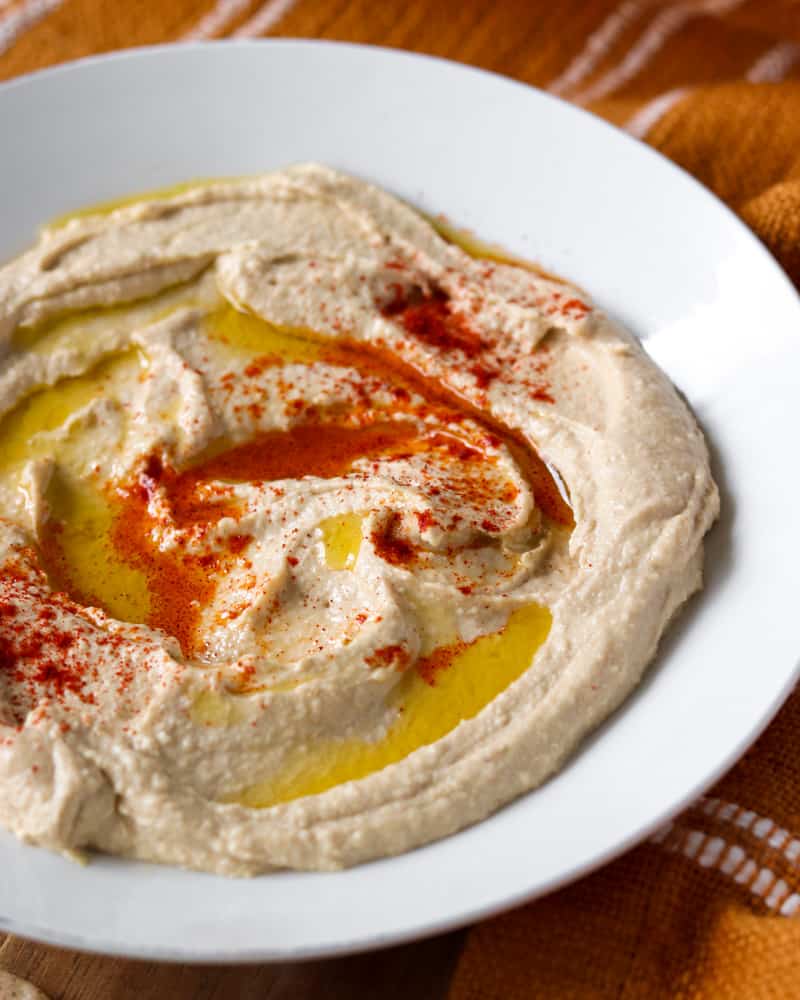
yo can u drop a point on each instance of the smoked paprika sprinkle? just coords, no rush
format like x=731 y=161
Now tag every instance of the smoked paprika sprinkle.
x=179 y=581
x=280 y=519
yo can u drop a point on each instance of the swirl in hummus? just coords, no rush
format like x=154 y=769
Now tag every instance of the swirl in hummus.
x=320 y=538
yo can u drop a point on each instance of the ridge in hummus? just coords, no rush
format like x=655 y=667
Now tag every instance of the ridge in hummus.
x=320 y=536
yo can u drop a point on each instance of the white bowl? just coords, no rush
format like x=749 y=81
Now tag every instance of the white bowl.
x=550 y=183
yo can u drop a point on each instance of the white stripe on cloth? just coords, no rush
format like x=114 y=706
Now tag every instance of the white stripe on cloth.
x=762 y=827
x=790 y=905
x=775 y=63
x=17 y=21
x=265 y=17
x=215 y=21
x=714 y=852
x=669 y=22
x=646 y=117
x=599 y=42
x=730 y=859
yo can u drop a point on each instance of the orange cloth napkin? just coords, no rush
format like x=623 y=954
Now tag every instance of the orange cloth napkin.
x=699 y=912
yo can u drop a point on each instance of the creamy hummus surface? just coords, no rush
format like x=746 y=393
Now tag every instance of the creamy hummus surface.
x=320 y=537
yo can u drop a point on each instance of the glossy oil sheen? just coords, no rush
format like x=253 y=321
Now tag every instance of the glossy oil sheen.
x=426 y=710
x=341 y=538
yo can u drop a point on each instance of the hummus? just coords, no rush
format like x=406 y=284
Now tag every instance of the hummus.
x=320 y=537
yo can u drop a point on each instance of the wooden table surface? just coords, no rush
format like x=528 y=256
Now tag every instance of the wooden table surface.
x=418 y=971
